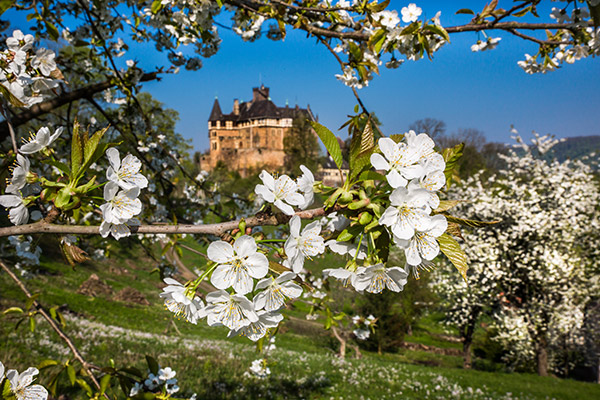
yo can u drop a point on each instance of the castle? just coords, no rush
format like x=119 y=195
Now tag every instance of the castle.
x=252 y=134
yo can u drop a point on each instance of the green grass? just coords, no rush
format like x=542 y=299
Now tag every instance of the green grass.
x=303 y=365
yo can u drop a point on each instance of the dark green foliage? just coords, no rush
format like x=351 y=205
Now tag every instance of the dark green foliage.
x=301 y=147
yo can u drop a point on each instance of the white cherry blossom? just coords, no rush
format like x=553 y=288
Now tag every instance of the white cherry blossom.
x=302 y=245
x=432 y=183
x=19 y=42
x=42 y=140
x=233 y=311
x=118 y=230
x=423 y=245
x=182 y=302
x=125 y=173
x=238 y=264
x=257 y=329
x=18 y=213
x=44 y=61
x=409 y=211
x=401 y=162
x=411 y=13
x=388 y=19
x=377 y=277
x=19 y=175
x=276 y=291
x=345 y=276
x=305 y=183
x=282 y=192
x=121 y=205
x=343 y=248
x=21 y=385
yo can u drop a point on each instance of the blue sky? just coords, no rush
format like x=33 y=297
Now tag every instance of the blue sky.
x=487 y=90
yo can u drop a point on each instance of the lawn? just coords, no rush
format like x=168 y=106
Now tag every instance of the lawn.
x=303 y=364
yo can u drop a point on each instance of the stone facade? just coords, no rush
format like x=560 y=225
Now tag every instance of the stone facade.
x=251 y=135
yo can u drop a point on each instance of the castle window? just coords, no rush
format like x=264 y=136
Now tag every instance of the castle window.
x=214 y=146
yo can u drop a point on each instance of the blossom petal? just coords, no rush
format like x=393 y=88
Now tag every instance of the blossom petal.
x=220 y=252
x=379 y=162
x=244 y=246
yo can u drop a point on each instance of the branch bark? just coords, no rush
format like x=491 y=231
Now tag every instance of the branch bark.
x=208 y=229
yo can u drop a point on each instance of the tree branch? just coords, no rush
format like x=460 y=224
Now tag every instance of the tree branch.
x=66 y=98
x=86 y=365
x=208 y=229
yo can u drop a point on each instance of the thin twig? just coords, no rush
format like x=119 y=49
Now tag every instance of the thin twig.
x=192 y=250
x=13 y=137
x=85 y=365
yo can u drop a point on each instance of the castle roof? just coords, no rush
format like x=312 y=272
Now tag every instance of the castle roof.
x=259 y=107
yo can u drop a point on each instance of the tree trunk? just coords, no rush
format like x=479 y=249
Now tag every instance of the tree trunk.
x=541 y=351
x=342 y=341
x=468 y=343
x=467 y=358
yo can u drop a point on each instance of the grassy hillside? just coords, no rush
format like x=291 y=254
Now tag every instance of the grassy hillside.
x=303 y=365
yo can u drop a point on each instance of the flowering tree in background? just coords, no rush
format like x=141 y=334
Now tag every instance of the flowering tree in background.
x=533 y=272
x=127 y=175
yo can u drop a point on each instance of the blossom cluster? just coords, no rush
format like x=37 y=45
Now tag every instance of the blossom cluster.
x=163 y=381
x=363 y=326
x=18 y=197
x=21 y=384
x=28 y=76
x=121 y=194
x=284 y=192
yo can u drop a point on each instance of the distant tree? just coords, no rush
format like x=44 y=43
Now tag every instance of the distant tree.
x=301 y=146
x=433 y=127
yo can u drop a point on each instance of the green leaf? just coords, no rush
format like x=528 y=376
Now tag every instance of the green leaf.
x=12 y=99
x=52 y=31
x=72 y=374
x=63 y=197
x=451 y=156
x=152 y=365
x=30 y=300
x=84 y=385
x=438 y=30
x=47 y=363
x=370 y=176
x=132 y=371
x=349 y=233
x=465 y=11
x=361 y=147
x=445 y=205
x=377 y=40
x=104 y=383
x=76 y=150
x=32 y=323
x=522 y=12
x=5 y=5
x=156 y=6
x=5 y=390
x=16 y=310
x=397 y=137
x=61 y=166
x=92 y=144
x=470 y=222
x=331 y=143
x=455 y=254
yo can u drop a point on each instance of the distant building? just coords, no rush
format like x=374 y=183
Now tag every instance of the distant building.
x=329 y=173
x=252 y=134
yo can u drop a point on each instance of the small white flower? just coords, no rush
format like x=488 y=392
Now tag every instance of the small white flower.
x=408 y=211
x=135 y=389
x=343 y=248
x=347 y=277
x=401 y=161
x=171 y=386
x=126 y=173
x=256 y=330
x=44 y=61
x=377 y=277
x=19 y=175
x=282 y=192
x=118 y=230
x=423 y=245
x=42 y=140
x=238 y=264
x=276 y=291
x=18 y=213
x=19 y=42
x=388 y=19
x=299 y=246
x=121 y=206
x=182 y=302
x=362 y=334
x=305 y=184
x=167 y=373
x=410 y=13
x=431 y=182
x=233 y=311
x=152 y=382
x=21 y=385
x=259 y=368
